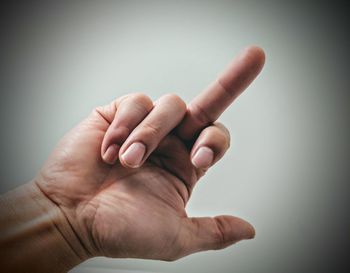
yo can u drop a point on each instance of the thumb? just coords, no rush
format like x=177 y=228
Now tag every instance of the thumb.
x=211 y=233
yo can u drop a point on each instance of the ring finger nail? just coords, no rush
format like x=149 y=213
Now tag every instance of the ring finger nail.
x=203 y=158
x=133 y=156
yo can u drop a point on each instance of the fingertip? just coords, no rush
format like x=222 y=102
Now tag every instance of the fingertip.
x=237 y=229
x=111 y=154
x=250 y=231
x=247 y=230
x=256 y=54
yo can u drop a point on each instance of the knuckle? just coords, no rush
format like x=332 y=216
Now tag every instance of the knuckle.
x=200 y=114
x=98 y=109
x=140 y=98
x=175 y=100
x=150 y=130
x=105 y=112
x=218 y=235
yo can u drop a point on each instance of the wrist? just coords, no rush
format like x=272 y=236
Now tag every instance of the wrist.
x=33 y=228
x=63 y=231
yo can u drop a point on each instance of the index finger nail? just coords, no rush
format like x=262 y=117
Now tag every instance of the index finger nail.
x=133 y=156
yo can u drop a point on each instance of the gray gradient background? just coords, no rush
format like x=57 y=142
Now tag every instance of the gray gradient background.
x=288 y=169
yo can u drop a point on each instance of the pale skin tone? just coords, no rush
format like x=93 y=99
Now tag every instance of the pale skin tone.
x=118 y=183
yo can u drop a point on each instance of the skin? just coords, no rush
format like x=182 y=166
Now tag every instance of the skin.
x=118 y=206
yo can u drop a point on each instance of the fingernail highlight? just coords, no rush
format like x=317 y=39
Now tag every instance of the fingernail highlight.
x=111 y=154
x=203 y=158
x=133 y=156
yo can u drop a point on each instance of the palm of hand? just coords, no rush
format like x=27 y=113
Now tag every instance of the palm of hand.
x=112 y=202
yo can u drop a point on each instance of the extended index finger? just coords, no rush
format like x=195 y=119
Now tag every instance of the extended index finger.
x=212 y=102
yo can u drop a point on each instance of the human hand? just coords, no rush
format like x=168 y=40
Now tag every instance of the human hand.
x=124 y=175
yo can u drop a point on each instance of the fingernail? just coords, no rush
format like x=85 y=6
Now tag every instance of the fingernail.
x=203 y=158
x=111 y=154
x=133 y=156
